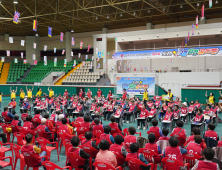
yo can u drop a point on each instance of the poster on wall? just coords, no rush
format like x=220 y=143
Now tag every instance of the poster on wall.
x=170 y=53
x=134 y=85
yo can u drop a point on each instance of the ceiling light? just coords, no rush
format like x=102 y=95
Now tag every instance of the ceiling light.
x=181 y=6
x=163 y=9
x=36 y=35
x=72 y=30
x=198 y=4
x=148 y=11
x=15 y=1
x=107 y=16
x=121 y=15
x=96 y=17
x=216 y=2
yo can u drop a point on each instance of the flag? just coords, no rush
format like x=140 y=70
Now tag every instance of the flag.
x=24 y=61
x=210 y=3
x=88 y=47
x=65 y=62
x=197 y=21
x=3 y=59
x=55 y=61
x=34 y=45
x=45 y=47
x=134 y=69
x=54 y=50
x=8 y=53
x=86 y=57
x=63 y=52
x=35 y=25
x=202 y=12
x=22 y=42
x=185 y=41
x=74 y=64
x=97 y=51
x=16 y=60
x=73 y=41
x=35 y=62
x=71 y=53
x=61 y=36
x=98 y=59
x=16 y=17
x=193 y=29
x=21 y=54
x=45 y=60
x=33 y=56
x=188 y=35
x=50 y=31
x=81 y=43
x=79 y=55
x=92 y=57
x=10 y=39
x=182 y=44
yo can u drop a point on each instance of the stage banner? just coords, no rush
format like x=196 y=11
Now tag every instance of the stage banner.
x=170 y=53
x=134 y=85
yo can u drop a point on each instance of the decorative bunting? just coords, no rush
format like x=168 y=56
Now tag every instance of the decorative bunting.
x=8 y=53
x=50 y=31
x=185 y=41
x=72 y=41
x=188 y=35
x=22 y=42
x=197 y=21
x=97 y=51
x=55 y=62
x=34 y=45
x=33 y=57
x=24 y=61
x=35 y=25
x=63 y=52
x=88 y=47
x=81 y=43
x=193 y=29
x=61 y=36
x=210 y=3
x=16 y=60
x=86 y=57
x=65 y=62
x=79 y=55
x=35 y=62
x=54 y=50
x=10 y=39
x=3 y=59
x=21 y=54
x=202 y=12
x=45 y=60
x=45 y=47
x=16 y=17
x=71 y=54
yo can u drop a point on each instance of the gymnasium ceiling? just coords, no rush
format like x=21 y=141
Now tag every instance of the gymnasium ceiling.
x=93 y=15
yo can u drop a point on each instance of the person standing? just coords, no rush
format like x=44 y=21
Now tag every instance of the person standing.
x=51 y=92
x=124 y=94
x=29 y=94
x=145 y=95
x=211 y=98
x=13 y=93
x=22 y=95
x=99 y=93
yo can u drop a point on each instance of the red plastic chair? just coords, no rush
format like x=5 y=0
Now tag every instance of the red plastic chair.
x=105 y=166
x=74 y=159
x=125 y=131
x=148 y=155
x=82 y=137
x=43 y=144
x=180 y=138
x=173 y=164
x=191 y=158
x=115 y=134
x=29 y=160
x=35 y=122
x=14 y=130
x=67 y=144
x=134 y=164
x=4 y=164
x=44 y=134
x=16 y=149
x=114 y=130
x=81 y=130
x=4 y=149
x=90 y=150
x=62 y=137
x=20 y=138
x=4 y=127
x=157 y=135
x=51 y=166
x=75 y=124
x=120 y=159
x=97 y=135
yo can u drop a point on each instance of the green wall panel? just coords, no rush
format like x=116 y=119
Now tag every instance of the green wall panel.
x=194 y=94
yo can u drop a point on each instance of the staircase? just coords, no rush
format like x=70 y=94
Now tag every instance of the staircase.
x=59 y=82
x=25 y=74
x=4 y=74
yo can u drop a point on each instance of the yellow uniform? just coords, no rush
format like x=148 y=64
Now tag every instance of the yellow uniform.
x=170 y=96
x=145 y=95
x=51 y=93
x=22 y=95
x=13 y=95
x=211 y=99
x=39 y=93
x=29 y=94
x=0 y=98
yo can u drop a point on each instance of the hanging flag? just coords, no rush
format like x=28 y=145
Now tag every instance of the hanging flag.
x=92 y=57
x=97 y=51
x=72 y=41
x=65 y=62
x=35 y=62
x=16 y=17
x=86 y=57
x=22 y=42
x=35 y=25
x=55 y=61
x=24 y=61
x=63 y=52
x=83 y=63
x=193 y=29
x=3 y=59
x=45 y=47
x=54 y=50
x=71 y=53
x=106 y=65
x=134 y=69
x=79 y=55
x=202 y=12
x=16 y=60
x=50 y=31
x=61 y=36
x=33 y=56
x=81 y=43
x=105 y=61
x=197 y=21
x=8 y=53
x=45 y=60
x=34 y=45
x=182 y=44
x=210 y=3
x=98 y=59
x=188 y=35
x=185 y=41
x=10 y=39
x=88 y=47
x=21 y=54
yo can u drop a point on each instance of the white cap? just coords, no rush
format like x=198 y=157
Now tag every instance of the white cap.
x=43 y=120
x=61 y=116
x=184 y=103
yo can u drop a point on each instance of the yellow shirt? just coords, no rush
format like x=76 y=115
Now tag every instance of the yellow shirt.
x=13 y=95
x=51 y=93
x=145 y=95
x=39 y=93
x=170 y=96
x=22 y=95
x=211 y=99
x=29 y=94
x=0 y=98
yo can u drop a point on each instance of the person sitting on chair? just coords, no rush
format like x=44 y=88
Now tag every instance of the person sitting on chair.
x=106 y=135
x=194 y=147
x=118 y=147
x=152 y=145
x=88 y=141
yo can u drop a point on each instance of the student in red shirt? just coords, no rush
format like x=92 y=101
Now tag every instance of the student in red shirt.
x=143 y=114
x=194 y=147
x=165 y=133
x=118 y=147
x=38 y=116
x=168 y=117
x=124 y=96
x=99 y=93
x=155 y=129
x=81 y=95
x=163 y=111
x=210 y=136
x=130 y=138
x=89 y=94
x=8 y=117
x=25 y=114
x=179 y=130
x=198 y=119
x=152 y=145
x=106 y=135
x=109 y=110
x=97 y=128
x=28 y=125
x=114 y=125
x=34 y=150
x=80 y=119
x=88 y=141
x=109 y=95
